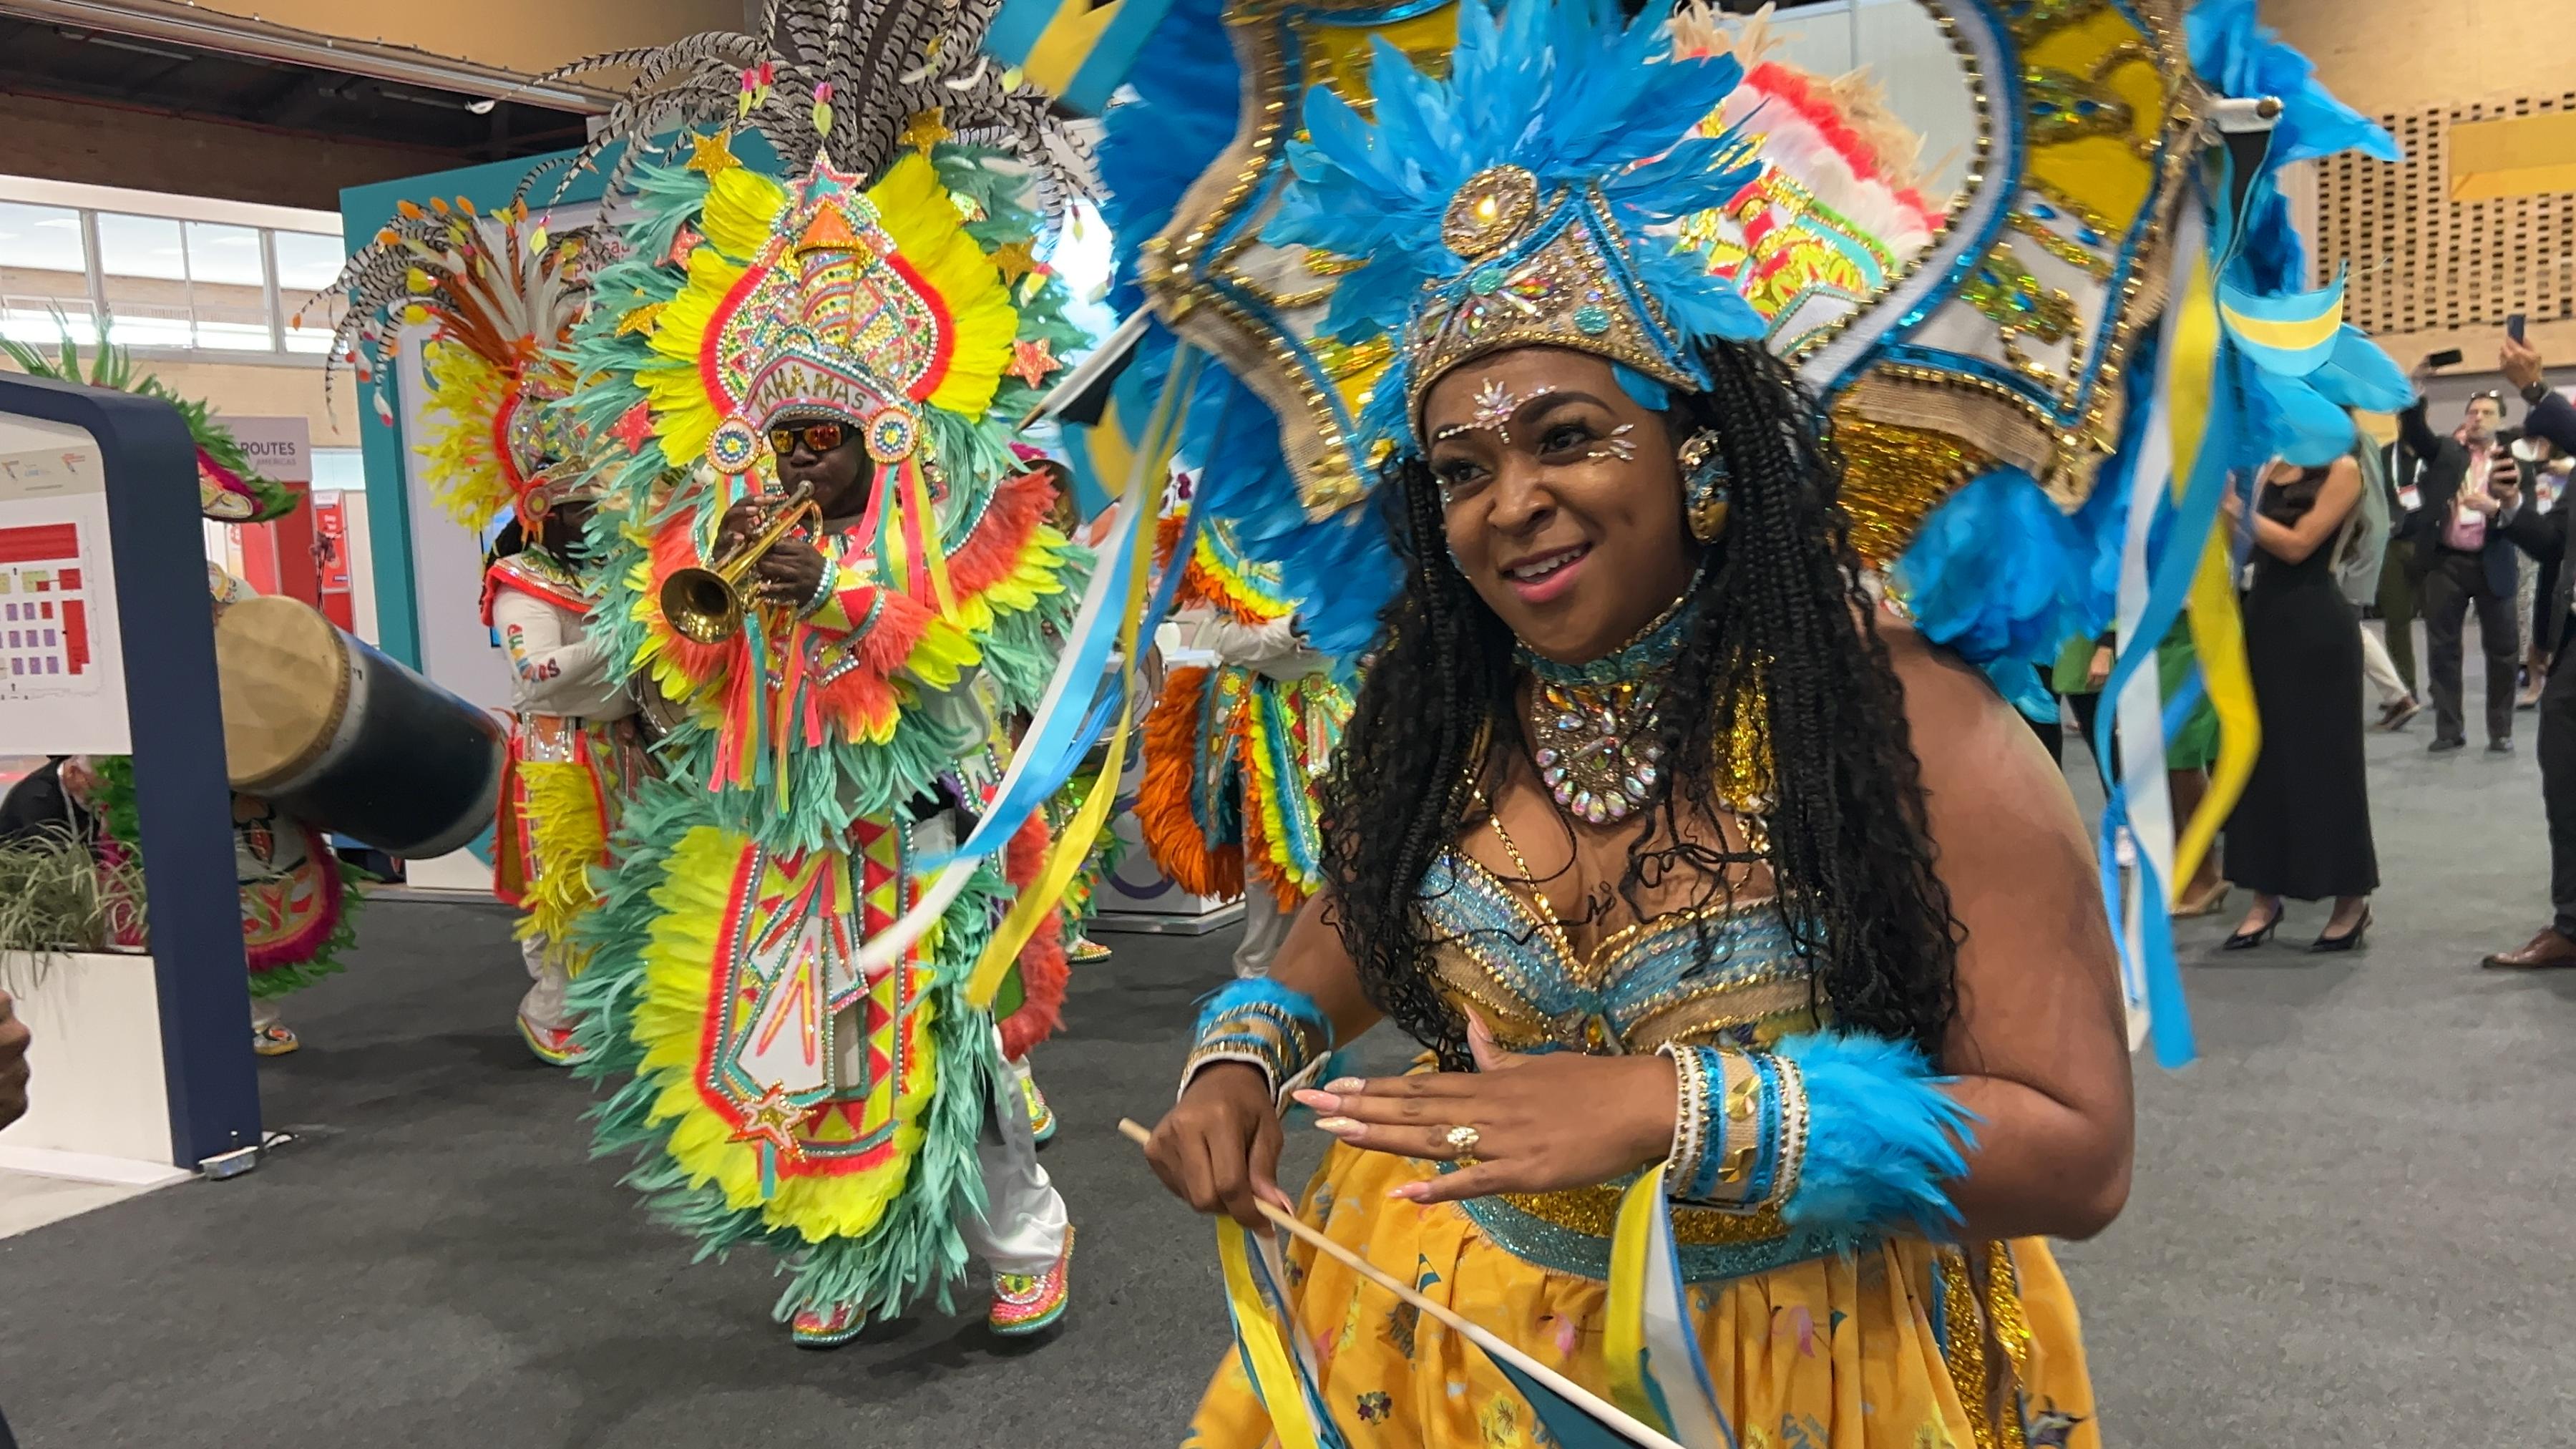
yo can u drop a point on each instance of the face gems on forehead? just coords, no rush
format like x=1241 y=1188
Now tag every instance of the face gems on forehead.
x=1495 y=404
x=1618 y=445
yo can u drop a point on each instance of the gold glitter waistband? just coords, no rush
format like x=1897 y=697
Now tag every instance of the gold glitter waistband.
x=1570 y=1232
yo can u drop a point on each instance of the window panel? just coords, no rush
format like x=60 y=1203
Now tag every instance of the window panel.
x=228 y=287
x=43 y=270
x=306 y=264
x=143 y=263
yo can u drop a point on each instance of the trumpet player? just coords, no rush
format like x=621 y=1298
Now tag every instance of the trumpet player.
x=847 y=580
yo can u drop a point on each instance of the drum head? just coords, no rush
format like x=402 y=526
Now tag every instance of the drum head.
x=285 y=680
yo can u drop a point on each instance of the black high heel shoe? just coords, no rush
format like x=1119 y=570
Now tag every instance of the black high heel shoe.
x=2248 y=940
x=2348 y=941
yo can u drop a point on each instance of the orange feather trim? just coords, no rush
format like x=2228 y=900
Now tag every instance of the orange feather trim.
x=1201 y=584
x=1163 y=814
x=992 y=553
x=862 y=703
x=1044 y=973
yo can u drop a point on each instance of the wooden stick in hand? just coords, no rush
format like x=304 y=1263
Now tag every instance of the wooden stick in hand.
x=1608 y=1413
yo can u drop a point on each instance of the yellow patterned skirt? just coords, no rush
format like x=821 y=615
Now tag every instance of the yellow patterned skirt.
x=1886 y=1348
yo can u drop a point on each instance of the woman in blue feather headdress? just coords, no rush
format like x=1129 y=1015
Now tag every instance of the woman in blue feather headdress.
x=1675 y=848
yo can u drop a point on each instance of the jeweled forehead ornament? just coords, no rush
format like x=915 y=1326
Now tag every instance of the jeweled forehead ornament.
x=1495 y=405
x=1540 y=271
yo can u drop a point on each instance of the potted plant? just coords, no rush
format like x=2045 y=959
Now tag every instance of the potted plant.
x=70 y=924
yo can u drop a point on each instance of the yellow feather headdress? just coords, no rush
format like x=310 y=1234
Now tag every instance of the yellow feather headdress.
x=832 y=300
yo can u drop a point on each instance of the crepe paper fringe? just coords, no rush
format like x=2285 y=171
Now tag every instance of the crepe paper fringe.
x=862 y=744
x=1281 y=839
x=1208 y=577
x=1165 y=811
x=468 y=479
x=1224 y=800
x=1883 y=1138
x=911 y=1248
x=346 y=898
x=563 y=821
x=1081 y=901
x=1044 y=972
x=312 y=955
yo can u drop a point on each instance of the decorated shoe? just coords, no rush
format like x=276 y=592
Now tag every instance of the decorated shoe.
x=1024 y=1303
x=273 y=1040
x=826 y=1327
x=1041 y=1116
x=1086 y=949
x=553 y=1045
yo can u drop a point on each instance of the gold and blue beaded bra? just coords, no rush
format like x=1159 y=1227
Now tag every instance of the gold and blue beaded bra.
x=1727 y=976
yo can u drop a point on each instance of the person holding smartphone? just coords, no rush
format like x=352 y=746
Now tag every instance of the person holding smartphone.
x=2544 y=535
x=2463 y=563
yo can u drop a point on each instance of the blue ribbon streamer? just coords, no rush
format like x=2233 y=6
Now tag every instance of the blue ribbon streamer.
x=1056 y=753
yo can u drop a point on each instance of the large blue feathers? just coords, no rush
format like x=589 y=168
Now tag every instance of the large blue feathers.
x=1559 y=88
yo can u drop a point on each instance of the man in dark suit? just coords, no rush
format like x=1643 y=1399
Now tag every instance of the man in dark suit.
x=2545 y=537
x=2463 y=564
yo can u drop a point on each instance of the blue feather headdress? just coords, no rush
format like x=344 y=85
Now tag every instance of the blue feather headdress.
x=1522 y=201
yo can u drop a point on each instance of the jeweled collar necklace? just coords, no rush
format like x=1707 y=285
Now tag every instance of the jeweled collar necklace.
x=1595 y=728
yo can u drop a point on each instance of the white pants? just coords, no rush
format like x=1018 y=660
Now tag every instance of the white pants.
x=1023 y=1224
x=1265 y=926
x=543 y=1006
x=2379 y=669
x=263 y=1013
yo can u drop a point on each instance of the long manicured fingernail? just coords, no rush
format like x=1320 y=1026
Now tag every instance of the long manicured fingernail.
x=1340 y=1126
x=1411 y=1191
x=1347 y=1084
x=1320 y=1101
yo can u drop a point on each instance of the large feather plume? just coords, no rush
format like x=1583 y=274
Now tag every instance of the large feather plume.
x=885 y=61
x=1559 y=88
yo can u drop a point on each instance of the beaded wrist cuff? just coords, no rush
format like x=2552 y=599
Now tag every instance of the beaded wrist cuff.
x=824 y=589
x=1278 y=1031
x=1740 y=1134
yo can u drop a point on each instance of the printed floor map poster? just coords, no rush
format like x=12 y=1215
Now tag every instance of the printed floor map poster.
x=62 y=683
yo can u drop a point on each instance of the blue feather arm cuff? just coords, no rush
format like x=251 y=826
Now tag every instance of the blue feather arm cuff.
x=1274 y=1029
x=1836 y=1130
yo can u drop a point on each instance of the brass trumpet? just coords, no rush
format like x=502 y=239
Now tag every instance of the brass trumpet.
x=706 y=605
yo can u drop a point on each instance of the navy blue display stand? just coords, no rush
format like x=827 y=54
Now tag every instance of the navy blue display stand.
x=166 y=639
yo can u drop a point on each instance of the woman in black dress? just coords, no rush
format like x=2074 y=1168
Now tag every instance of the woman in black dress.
x=2302 y=829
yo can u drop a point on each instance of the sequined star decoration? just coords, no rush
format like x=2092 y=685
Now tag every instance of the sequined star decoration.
x=926 y=129
x=712 y=156
x=1032 y=361
x=1495 y=405
x=1016 y=259
x=772 y=1118
x=635 y=429
x=641 y=319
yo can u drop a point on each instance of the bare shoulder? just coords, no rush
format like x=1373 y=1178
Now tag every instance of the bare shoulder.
x=1977 y=754
x=1945 y=696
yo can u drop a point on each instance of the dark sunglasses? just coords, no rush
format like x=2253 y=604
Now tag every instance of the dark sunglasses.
x=819 y=437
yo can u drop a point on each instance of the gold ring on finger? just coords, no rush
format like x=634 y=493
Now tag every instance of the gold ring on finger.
x=1462 y=1140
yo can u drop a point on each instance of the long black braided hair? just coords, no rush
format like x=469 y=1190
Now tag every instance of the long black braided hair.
x=1780 y=607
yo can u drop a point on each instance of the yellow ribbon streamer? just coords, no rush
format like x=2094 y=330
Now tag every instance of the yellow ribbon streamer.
x=1624 y=1332
x=2217 y=634
x=1073 y=845
x=1265 y=1351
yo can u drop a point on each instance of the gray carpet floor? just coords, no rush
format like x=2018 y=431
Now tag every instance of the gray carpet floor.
x=2346 y=1228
